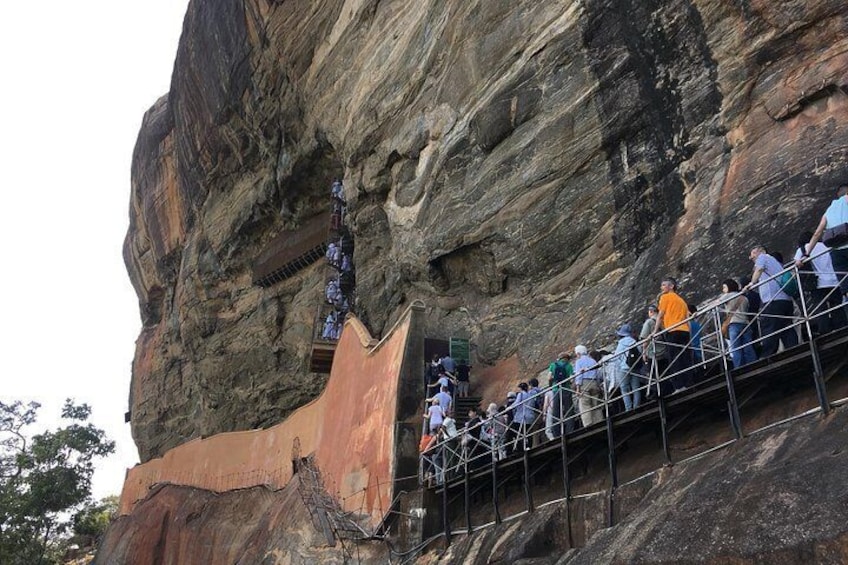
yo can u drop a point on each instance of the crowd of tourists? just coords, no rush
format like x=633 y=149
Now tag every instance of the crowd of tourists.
x=665 y=357
x=339 y=290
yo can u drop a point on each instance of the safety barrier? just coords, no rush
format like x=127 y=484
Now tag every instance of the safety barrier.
x=567 y=411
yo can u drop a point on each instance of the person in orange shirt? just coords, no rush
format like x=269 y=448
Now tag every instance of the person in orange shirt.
x=672 y=316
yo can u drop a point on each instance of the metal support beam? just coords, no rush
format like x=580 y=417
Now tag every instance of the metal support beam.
x=467 y=497
x=528 y=490
x=566 y=476
x=613 y=469
x=732 y=404
x=818 y=372
x=495 y=506
x=445 y=516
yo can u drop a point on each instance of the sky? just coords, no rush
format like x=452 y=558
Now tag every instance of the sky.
x=77 y=79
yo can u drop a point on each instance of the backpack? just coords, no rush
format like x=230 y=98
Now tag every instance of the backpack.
x=789 y=284
x=538 y=400
x=633 y=357
x=808 y=275
x=560 y=374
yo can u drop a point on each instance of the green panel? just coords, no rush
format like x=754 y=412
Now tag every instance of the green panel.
x=459 y=349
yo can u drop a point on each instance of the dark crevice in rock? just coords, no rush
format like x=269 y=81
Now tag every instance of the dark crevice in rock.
x=808 y=100
x=472 y=265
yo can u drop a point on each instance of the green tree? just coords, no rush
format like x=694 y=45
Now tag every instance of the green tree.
x=44 y=479
x=90 y=523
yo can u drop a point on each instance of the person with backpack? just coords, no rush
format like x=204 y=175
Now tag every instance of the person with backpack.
x=822 y=284
x=536 y=403
x=833 y=232
x=776 y=314
x=626 y=364
x=522 y=417
x=562 y=405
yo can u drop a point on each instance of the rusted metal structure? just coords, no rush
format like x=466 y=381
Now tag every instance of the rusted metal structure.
x=292 y=251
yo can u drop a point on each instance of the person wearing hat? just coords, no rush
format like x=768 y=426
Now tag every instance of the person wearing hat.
x=586 y=385
x=627 y=378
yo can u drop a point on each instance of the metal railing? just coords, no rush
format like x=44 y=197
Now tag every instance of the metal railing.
x=515 y=430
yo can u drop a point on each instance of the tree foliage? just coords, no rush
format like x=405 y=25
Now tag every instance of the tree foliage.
x=44 y=479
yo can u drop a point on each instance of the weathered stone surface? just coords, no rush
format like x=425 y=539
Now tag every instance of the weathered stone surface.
x=246 y=527
x=777 y=497
x=528 y=169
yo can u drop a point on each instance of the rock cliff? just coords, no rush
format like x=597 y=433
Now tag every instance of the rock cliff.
x=528 y=169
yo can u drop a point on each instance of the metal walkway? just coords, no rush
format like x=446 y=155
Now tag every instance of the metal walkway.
x=455 y=472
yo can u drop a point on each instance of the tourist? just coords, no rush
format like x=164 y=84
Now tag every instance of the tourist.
x=509 y=413
x=496 y=428
x=450 y=437
x=337 y=190
x=777 y=310
x=654 y=352
x=329 y=331
x=463 y=378
x=672 y=312
x=548 y=410
x=449 y=364
x=586 y=385
x=824 y=290
x=442 y=380
x=445 y=400
x=833 y=231
x=474 y=448
x=561 y=371
x=332 y=255
x=522 y=416
x=434 y=415
x=535 y=403
x=346 y=264
x=627 y=378
x=736 y=326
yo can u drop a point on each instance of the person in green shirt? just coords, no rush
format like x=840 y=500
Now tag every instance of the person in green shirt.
x=562 y=402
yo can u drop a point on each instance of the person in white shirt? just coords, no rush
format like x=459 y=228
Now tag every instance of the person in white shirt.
x=825 y=295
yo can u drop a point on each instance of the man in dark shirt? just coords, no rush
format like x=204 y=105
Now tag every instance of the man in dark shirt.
x=474 y=447
x=462 y=378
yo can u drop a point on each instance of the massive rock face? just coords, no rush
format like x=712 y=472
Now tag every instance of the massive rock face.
x=528 y=169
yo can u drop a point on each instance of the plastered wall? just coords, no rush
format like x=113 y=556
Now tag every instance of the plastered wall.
x=349 y=429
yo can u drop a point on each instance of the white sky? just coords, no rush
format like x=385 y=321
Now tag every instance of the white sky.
x=77 y=78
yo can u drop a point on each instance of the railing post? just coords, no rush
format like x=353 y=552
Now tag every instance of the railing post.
x=733 y=406
x=445 y=517
x=611 y=448
x=655 y=370
x=818 y=373
x=467 y=487
x=495 y=472
x=528 y=491
x=566 y=477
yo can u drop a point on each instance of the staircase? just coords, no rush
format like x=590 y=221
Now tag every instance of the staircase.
x=327 y=515
x=462 y=406
x=323 y=349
